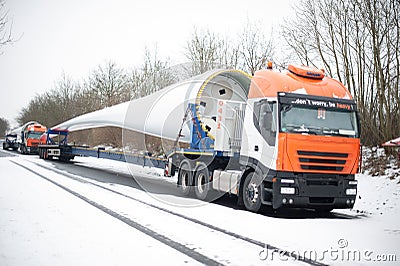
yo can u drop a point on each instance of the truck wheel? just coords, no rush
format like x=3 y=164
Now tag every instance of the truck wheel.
x=4 y=146
x=64 y=159
x=185 y=179
x=251 y=193
x=44 y=154
x=202 y=181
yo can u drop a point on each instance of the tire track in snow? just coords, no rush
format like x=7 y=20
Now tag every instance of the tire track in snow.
x=163 y=239
x=193 y=220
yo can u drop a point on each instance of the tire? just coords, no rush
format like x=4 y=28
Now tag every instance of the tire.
x=64 y=159
x=22 y=149
x=251 y=193
x=202 y=182
x=185 y=179
x=44 y=154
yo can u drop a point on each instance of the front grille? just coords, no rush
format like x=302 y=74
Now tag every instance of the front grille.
x=322 y=183
x=321 y=167
x=329 y=161
x=322 y=161
x=323 y=154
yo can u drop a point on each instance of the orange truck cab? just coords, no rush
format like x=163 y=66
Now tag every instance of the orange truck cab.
x=29 y=138
x=301 y=137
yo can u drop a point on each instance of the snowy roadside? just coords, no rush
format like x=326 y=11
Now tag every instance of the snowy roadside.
x=125 y=168
x=379 y=185
x=376 y=228
x=377 y=195
x=42 y=225
x=373 y=228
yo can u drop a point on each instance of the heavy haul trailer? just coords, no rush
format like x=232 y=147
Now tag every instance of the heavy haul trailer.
x=54 y=145
x=287 y=140
x=294 y=142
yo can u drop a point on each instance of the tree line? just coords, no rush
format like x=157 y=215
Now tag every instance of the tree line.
x=110 y=84
x=5 y=38
x=356 y=42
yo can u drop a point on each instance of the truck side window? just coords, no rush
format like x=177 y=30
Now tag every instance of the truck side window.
x=265 y=120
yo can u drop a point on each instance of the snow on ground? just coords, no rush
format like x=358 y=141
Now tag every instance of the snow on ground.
x=376 y=228
x=41 y=226
x=194 y=236
x=379 y=185
x=376 y=194
x=117 y=166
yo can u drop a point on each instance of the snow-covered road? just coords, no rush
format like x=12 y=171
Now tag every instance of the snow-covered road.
x=40 y=224
x=43 y=224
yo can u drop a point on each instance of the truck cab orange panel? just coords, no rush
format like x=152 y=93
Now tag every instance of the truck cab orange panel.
x=267 y=83
x=317 y=154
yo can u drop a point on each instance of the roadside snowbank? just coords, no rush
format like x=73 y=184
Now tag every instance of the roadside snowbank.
x=40 y=224
x=29 y=205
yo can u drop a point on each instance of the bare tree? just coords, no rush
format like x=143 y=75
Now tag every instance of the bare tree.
x=64 y=93
x=203 y=49
x=208 y=50
x=54 y=106
x=36 y=110
x=86 y=100
x=153 y=75
x=4 y=126
x=228 y=54
x=110 y=83
x=5 y=25
x=255 y=48
x=357 y=42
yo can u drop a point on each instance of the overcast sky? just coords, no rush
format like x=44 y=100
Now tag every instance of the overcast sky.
x=75 y=36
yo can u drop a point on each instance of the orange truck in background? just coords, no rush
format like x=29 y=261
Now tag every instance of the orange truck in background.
x=28 y=137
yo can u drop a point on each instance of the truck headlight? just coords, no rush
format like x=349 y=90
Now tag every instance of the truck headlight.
x=353 y=182
x=288 y=190
x=351 y=191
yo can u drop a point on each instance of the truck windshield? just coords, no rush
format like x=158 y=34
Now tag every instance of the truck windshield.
x=318 y=121
x=34 y=135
